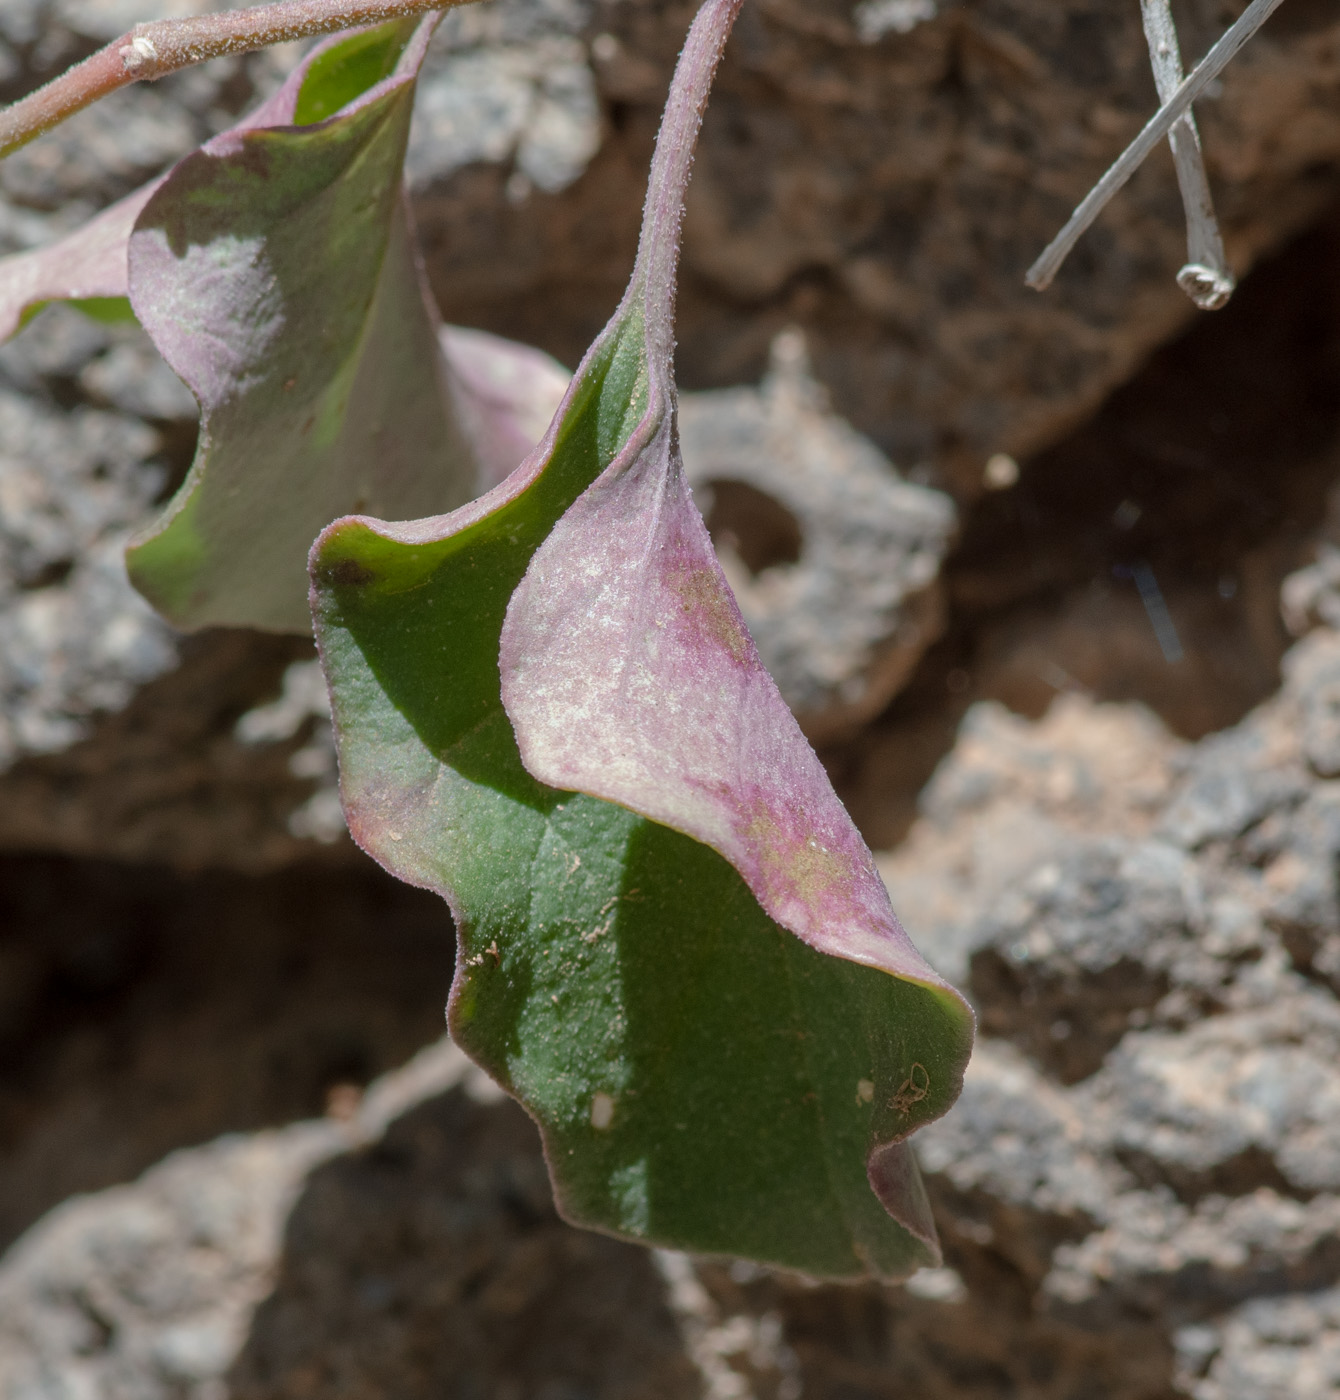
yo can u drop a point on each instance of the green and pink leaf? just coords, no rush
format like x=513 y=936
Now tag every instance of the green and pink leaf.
x=674 y=947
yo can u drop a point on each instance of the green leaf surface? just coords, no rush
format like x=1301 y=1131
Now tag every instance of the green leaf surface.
x=702 y=1078
x=703 y=1075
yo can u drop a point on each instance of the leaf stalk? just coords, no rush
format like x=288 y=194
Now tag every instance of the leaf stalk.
x=150 y=51
x=658 y=247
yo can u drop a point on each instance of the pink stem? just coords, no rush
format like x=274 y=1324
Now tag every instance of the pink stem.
x=149 y=51
x=658 y=249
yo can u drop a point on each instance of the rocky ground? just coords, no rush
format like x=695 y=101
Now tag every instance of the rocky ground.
x=1138 y=1194
x=1091 y=719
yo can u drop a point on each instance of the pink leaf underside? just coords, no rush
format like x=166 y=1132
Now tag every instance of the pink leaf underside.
x=895 y=1179
x=628 y=673
x=506 y=394
x=90 y=262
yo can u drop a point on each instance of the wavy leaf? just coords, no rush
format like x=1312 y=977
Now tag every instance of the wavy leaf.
x=276 y=271
x=674 y=948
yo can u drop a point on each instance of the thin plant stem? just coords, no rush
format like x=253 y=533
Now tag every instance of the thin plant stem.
x=1206 y=278
x=150 y=51
x=1206 y=71
x=658 y=247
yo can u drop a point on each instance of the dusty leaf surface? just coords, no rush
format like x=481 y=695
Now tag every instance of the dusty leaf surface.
x=277 y=272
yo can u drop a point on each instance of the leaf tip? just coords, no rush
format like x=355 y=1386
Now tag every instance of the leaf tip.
x=894 y=1178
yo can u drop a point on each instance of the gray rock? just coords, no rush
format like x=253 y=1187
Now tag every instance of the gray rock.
x=145 y=1292
x=1318 y=682
x=838 y=578
x=1269 y=1349
x=264 y=1265
x=105 y=20
x=1234 y=1101
x=1166 y=1223
x=942 y=354
x=1007 y=798
x=508 y=84
x=1157 y=1256
x=1310 y=596
x=911 y=294
x=1168 y=1164
x=103 y=152
x=1233 y=783
x=841 y=628
x=1155 y=1213
x=1089 y=940
x=887 y=193
x=1011 y=1165
x=22 y=22
x=75 y=638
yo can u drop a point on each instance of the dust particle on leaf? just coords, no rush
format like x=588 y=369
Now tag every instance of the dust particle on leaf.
x=602 y=1112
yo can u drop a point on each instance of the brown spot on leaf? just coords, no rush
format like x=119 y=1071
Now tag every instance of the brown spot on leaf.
x=706 y=605
x=800 y=862
x=912 y=1090
x=346 y=573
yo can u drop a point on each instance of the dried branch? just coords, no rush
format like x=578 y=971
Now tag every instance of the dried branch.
x=1159 y=125
x=1206 y=278
x=149 y=51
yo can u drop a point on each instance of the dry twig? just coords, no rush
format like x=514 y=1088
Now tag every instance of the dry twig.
x=1206 y=278
x=1159 y=125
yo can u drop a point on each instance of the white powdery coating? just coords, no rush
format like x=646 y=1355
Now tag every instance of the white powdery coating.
x=628 y=673
x=193 y=315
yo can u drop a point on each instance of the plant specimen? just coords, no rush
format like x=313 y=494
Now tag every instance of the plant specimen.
x=673 y=946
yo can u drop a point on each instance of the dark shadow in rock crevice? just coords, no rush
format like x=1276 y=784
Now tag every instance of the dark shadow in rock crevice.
x=432 y=1266
x=1187 y=498
x=167 y=780
x=142 y=1010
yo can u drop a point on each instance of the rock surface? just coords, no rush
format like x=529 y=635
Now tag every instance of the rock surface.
x=280 y=1265
x=1157 y=1095
x=880 y=174
x=833 y=558
x=248 y=781
x=142 y=1010
x=884 y=186
x=1138 y=1193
